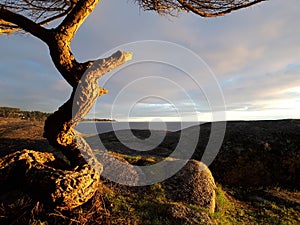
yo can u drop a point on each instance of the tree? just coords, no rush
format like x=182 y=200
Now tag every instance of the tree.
x=32 y=16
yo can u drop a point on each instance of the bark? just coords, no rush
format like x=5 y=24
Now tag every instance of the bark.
x=63 y=58
x=60 y=131
x=59 y=127
x=45 y=177
x=59 y=42
x=76 y=17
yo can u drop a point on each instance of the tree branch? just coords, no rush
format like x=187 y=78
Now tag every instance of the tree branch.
x=88 y=89
x=60 y=45
x=64 y=60
x=188 y=6
x=59 y=127
x=54 y=17
x=24 y=23
x=76 y=17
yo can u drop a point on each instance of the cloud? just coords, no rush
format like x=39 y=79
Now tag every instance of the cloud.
x=263 y=87
x=254 y=54
x=60 y=86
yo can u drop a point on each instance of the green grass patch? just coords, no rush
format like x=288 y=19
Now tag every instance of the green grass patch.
x=230 y=210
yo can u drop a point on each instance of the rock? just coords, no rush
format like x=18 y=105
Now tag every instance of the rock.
x=193 y=184
x=184 y=215
x=118 y=170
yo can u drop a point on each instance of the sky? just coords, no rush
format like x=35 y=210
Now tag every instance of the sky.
x=242 y=66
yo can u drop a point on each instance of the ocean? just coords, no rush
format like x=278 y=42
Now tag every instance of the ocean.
x=104 y=127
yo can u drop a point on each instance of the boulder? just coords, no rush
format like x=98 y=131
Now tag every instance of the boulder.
x=184 y=215
x=193 y=184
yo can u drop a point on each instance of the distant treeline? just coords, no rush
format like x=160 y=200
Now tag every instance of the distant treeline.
x=99 y=120
x=9 y=112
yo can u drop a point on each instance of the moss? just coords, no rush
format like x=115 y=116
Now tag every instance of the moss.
x=141 y=160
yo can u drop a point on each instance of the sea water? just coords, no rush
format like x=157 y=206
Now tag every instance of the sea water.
x=104 y=127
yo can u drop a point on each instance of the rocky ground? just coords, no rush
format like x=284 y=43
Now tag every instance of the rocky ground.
x=256 y=174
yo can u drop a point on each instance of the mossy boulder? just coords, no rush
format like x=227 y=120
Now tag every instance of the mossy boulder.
x=192 y=185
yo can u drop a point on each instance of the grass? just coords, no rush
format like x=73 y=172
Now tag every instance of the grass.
x=231 y=210
x=149 y=206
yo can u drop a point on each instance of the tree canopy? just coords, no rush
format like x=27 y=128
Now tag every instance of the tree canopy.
x=39 y=11
x=204 y=8
x=44 y=11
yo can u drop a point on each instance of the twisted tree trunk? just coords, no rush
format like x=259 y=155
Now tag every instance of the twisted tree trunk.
x=59 y=127
x=48 y=178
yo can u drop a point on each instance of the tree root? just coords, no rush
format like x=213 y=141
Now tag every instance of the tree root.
x=45 y=177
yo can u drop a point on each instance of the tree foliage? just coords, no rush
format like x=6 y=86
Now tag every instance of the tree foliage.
x=45 y=11
x=39 y=11
x=204 y=8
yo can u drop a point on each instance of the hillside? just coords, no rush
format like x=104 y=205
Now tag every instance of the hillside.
x=263 y=152
x=256 y=172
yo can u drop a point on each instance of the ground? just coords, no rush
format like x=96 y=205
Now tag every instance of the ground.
x=116 y=204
